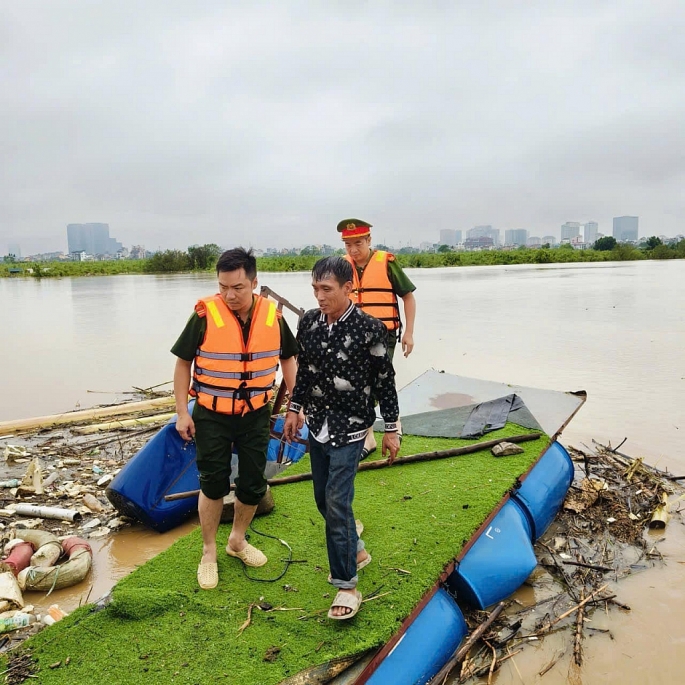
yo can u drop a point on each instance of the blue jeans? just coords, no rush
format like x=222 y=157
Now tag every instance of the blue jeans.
x=333 y=472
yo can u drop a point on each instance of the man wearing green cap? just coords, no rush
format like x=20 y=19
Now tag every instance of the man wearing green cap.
x=378 y=282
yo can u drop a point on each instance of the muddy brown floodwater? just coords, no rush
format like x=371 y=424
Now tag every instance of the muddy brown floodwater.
x=645 y=646
x=616 y=330
x=113 y=558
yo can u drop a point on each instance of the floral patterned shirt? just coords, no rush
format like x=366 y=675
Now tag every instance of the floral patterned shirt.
x=341 y=371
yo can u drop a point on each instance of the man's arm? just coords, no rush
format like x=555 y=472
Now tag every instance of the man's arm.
x=184 y=423
x=304 y=376
x=289 y=369
x=298 y=393
x=409 y=302
x=384 y=390
x=288 y=356
x=404 y=289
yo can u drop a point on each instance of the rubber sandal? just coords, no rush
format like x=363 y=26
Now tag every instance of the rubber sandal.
x=365 y=453
x=249 y=555
x=345 y=599
x=364 y=562
x=360 y=566
x=208 y=576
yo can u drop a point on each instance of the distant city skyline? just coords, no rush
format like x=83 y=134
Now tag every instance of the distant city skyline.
x=126 y=236
x=94 y=239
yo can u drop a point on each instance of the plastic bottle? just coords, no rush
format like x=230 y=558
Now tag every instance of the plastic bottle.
x=15 y=622
x=93 y=503
x=12 y=483
x=57 y=613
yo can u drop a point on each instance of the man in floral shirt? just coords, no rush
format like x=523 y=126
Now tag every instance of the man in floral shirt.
x=343 y=364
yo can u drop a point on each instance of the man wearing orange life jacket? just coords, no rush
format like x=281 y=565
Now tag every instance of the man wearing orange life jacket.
x=378 y=281
x=231 y=345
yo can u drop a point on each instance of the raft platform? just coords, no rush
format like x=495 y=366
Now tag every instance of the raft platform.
x=455 y=531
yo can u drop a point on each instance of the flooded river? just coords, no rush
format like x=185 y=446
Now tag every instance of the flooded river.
x=616 y=330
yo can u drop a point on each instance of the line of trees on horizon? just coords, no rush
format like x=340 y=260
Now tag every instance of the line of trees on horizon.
x=204 y=258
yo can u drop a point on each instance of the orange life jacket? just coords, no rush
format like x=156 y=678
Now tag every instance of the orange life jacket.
x=229 y=376
x=374 y=293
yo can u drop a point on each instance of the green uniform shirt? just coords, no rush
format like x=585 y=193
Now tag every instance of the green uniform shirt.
x=194 y=333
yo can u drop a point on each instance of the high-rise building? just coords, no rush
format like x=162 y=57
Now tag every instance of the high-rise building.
x=515 y=236
x=625 y=228
x=448 y=237
x=533 y=241
x=590 y=231
x=569 y=230
x=15 y=250
x=549 y=240
x=79 y=239
x=484 y=232
x=92 y=239
x=101 y=239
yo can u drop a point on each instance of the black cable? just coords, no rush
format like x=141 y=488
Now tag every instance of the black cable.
x=287 y=561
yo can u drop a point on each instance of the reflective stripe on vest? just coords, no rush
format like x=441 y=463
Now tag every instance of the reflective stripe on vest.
x=373 y=294
x=240 y=375
x=229 y=375
x=240 y=357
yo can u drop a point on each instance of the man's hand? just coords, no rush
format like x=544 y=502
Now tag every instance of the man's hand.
x=291 y=425
x=407 y=344
x=391 y=446
x=185 y=426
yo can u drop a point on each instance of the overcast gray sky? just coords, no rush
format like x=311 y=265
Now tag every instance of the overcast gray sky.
x=268 y=122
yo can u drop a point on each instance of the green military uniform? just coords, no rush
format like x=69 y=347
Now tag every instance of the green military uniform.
x=214 y=431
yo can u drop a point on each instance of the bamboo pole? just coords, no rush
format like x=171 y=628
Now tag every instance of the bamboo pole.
x=124 y=423
x=578 y=640
x=383 y=463
x=54 y=420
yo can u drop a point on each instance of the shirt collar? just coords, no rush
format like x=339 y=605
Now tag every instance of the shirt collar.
x=249 y=314
x=346 y=313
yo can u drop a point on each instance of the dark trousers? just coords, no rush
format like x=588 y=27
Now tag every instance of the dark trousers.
x=216 y=436
x=333 y=472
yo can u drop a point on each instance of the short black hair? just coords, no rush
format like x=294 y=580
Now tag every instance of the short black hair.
x=335 y=267
x=238 y=258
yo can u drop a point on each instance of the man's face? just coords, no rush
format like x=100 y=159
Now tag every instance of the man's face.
x=331 y=296
x=236 y=289
x=359 y=249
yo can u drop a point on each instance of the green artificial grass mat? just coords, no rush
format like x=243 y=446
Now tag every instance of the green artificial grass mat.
x=160 y=628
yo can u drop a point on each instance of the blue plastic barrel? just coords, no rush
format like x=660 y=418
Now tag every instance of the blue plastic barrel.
x=498 y=562
x=544 y=488
x=428 y=643
x=165 y=465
